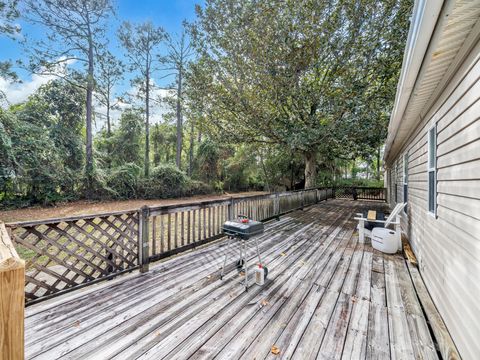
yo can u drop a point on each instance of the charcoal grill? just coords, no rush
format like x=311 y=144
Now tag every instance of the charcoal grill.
x=243 y=229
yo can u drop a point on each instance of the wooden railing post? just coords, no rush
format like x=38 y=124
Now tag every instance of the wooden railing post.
x=143 y=245
x=12 y=299
x=231 y=208
x=276 y=206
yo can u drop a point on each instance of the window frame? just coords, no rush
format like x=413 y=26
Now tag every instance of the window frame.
x=432 y=168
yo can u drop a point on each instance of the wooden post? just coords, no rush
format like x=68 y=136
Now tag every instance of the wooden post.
x=12 y=299
x=143 y=258
x=231 y=208
x=276 y=206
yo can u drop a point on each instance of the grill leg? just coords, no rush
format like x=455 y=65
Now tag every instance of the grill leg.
x=258 y=252
x=245 y=264
x=225 y=258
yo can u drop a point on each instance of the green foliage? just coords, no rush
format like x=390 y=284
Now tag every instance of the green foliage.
x=127 y=139
x=122 y=182
x=208 y=158
x=163 y=139
x=196 y=187
x=241 y=170
x=41 y=145
x=359 y=182
x=312 y=76
x=165 y=181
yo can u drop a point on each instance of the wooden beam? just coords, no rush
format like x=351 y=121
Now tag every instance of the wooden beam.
x=445 y=343
x=12 y=299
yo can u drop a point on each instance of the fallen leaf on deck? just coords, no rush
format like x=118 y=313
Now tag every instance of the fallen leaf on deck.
x=275 y=350
x=241 y=273
x=283 y=254
x=76 y=323
x=264 y=302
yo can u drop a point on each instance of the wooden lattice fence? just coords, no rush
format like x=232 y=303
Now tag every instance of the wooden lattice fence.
x=67 y=253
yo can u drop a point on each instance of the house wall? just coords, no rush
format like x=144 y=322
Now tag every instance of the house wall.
x=448 y=246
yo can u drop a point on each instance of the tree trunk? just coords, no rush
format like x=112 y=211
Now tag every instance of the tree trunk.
x=178 y=157
x=89 y=139
x=156 y=155
x=109 y=125
x=147 y=124
x=310 y=169
x=264 y=170
x=190 y=155
x=378 y=163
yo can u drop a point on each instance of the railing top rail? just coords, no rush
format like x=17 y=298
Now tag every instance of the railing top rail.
x=9 y=258
x=68 y=218
x=360 y=187
x=187 y=206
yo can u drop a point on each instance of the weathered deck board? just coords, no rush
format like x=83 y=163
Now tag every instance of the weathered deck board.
x=327 y=297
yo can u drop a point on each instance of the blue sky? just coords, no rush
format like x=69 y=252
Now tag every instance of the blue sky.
x=168 y=14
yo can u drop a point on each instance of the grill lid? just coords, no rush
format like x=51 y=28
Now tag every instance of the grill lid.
x=243 y=228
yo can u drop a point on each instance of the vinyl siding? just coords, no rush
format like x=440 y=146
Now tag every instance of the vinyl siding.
x=448 y=246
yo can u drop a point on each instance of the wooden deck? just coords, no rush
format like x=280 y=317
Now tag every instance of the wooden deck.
x=327 y=296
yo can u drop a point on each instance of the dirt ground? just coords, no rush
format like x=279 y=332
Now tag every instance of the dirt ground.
x=89 y=207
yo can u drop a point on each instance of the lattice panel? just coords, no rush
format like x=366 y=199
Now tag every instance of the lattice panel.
x=344 y=193
x=360 y=193
x=70 y=252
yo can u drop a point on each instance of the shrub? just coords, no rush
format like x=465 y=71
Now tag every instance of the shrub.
x=122 y=181
x=359 y=182
x=198 y=188
x=165 y=181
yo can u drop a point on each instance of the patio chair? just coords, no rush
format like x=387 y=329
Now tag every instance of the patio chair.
x=383 y=238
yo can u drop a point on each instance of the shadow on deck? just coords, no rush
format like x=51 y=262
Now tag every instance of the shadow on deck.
x=327 y=296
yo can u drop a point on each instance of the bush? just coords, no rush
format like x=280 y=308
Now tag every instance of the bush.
x=165 y=181
x=198 y=188
x=359 y=182
x=122 y=182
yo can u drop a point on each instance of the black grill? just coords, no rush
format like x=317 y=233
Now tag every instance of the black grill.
x=243 y=228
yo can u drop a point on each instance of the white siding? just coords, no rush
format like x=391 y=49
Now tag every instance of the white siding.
x=448 y=247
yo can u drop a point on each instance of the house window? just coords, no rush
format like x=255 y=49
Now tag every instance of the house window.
x=405 y=180
x=432 y=170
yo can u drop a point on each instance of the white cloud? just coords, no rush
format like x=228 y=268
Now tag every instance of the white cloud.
x=19 y=92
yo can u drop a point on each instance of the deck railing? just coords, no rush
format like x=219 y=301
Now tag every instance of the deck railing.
x=66 y=253
x=12 y=298
x=69 y=253
x=361 y=193
x=173 y=229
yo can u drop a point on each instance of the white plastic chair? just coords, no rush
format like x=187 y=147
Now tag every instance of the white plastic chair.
x=384 y=233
